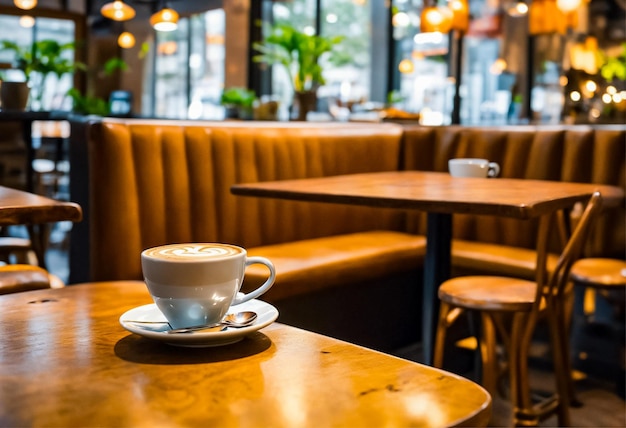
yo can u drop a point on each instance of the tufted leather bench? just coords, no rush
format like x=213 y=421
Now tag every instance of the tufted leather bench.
x=153 y=182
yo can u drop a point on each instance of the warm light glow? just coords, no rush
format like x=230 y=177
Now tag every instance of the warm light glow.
x=611 y=90
x=518 y=9
x=591 y=86
x=27 y=21
x=118 y=11
x=25 y=4
x=595 y=113
x=606 y=98
x=436 y=19
x=460 y=14
x=165 y=20
x=574 y=96
x=568 y=5
x=498 y=66
x=126 y=40
x=563 y=80
x=617 y=98
x=401 y=20
x=406 y=66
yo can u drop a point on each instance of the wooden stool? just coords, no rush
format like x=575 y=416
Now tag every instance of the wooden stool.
x=608 y=278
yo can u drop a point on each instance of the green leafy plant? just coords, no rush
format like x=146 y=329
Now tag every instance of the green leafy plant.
x=298 y=52
x=238 y=97
x=43 y=57
x=613 y=66
x=84 y=104
x=93 y=105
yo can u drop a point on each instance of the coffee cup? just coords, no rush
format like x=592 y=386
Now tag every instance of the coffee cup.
x=472 y=167
x=196 y=283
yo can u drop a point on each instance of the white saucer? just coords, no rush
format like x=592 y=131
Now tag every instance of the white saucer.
x=157 y=326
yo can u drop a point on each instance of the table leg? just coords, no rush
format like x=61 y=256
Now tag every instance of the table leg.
x=39 y=234
x=27 y=133
x=436 y=270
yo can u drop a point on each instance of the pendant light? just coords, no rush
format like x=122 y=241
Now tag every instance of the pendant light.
x=460 y=15
x=126 y=40
x=568 y=5
x=436 y=19
x=165 y=20
x=519 y=9
x=25 y=4
x=27 y=21
x=118 y=11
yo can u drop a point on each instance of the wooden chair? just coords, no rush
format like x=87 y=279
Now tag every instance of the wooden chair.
x=512 y=307
x=20 y=277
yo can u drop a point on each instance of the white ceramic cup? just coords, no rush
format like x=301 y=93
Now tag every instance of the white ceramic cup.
x=196 y=283
x=472 y=167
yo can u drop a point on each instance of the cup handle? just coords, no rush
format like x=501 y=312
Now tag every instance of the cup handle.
x=494 y=169
x=263 y=288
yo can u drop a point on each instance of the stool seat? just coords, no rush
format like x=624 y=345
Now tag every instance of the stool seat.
x=599 y=273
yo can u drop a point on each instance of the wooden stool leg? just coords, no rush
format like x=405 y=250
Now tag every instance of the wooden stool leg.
x=488 y=354
x=440 y=338
x=561 y=364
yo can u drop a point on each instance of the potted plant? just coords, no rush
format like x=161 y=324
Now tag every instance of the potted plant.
x=238 y=102
x=300 y=54
x=41 y=58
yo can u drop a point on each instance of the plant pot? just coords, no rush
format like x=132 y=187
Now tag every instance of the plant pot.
x=303 y=103
x=14 y=95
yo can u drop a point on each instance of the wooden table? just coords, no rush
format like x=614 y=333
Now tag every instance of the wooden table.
x=66 y=361
x=440 y=195
x=34 y=211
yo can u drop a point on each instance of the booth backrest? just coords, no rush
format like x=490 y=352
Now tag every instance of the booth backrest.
x=157 y=182
x=576 y=153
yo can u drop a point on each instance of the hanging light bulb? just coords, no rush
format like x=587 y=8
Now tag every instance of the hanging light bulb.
x=164 y=20
x=25 y=4
x=126 y=40
x=436 y=19
x=568 y=5
x=27 y=21
x=520 y=8
x=406 y=66
x=460 y=14
x=117 y=11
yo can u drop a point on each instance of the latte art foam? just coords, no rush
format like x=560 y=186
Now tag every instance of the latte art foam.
x=192 y=252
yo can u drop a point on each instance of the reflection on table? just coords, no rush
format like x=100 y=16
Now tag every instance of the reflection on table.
x=68 y=362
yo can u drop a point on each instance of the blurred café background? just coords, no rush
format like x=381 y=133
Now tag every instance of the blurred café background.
x=490 y=62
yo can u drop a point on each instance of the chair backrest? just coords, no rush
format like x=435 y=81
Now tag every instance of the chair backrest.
x=558 y=282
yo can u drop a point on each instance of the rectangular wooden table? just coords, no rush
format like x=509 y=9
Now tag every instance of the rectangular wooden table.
x=66 y=361
x=34 y=211
x=440 y=195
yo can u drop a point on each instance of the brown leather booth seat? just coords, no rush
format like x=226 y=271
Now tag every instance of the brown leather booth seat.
x=485 y=244
x=156 y=182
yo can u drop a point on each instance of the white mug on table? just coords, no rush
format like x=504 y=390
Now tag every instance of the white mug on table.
x=196 y=283
x=473 y=167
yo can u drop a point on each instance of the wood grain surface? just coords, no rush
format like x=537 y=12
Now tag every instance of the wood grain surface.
x=436 y=192
x=17 y=207
x=66 y=361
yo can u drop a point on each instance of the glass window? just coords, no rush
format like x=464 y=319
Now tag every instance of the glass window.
x=189 y=68
x=41 y=28
x=348 y=75
x=347 y=70
x=171 y=72
x=206 y=64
